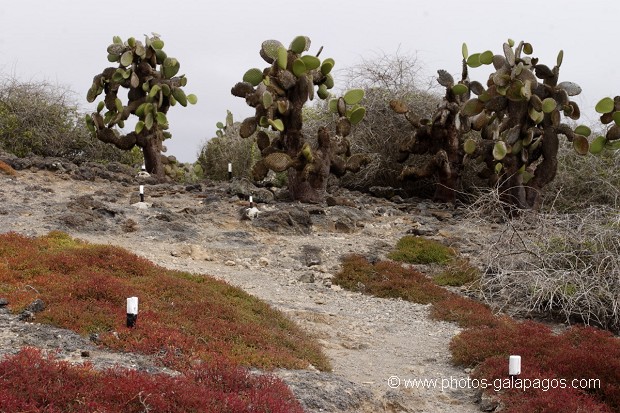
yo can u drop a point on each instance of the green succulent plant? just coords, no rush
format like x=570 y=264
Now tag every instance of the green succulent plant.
x=610 y=115
x=278 y=94
x=519 y=116
x=153 y=84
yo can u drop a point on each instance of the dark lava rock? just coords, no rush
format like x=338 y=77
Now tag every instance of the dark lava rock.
x=291 y=220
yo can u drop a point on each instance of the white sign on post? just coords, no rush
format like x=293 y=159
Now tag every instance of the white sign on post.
x=132 y=305
x=514 y=365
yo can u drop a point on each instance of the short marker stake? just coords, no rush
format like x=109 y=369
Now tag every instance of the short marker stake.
x=229 y=171
x=514 y=366
x=143 y=168
x=132 y=311
x=141 y=193
x=251 y=202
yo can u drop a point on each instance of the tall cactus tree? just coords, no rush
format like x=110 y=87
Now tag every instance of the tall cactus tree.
x=278 y=93
x=153 y=86
x=519 y=116
x=440 y=136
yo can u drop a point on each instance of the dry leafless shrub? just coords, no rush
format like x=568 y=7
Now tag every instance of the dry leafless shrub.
x=386 y=77
x=552 y=265
x=583 y=181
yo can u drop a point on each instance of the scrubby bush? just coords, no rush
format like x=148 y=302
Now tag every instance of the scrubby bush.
x=37 y=118
x=387 y=280
x=559 y=265
x=420 y=250
x=457 y=273
x=227 y=146
x=583 y=182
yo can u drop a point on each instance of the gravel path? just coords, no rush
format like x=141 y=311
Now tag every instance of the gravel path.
x=368 y=340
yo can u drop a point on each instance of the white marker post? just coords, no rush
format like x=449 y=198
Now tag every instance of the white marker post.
x=514 y=366
x=251 y=202
x=132 y=311
x=141 y=193
x=229 y=171
x=143 y=169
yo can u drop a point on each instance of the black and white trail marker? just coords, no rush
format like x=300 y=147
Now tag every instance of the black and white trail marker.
x=132 y=311
x=141 y=193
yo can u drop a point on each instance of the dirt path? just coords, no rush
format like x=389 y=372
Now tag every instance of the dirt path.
x=368 y=340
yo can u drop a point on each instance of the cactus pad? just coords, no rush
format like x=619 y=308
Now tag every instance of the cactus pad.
x=548 y=105
x=597 y=145
x=311 y=62
x=399 y=106
x=242 y=89
x=499 y=150
x=259 y=171
x=278 y=161
x=322 y=92
x=581 y=145
x=299 y=68
x=248 y=127
x=469 y=146
x=253 y=76
x=605 y=105
x=282 y=58
x=583 y=130
x=269 y=50
x=472 y=107
x=262 y=140
x=459 y=89
x=353 y=96
x=357 y=115
x=277 y=124
x=300 y=44
x=444 y=78
x=327 y=66
x=343 y=127
x=571 y=88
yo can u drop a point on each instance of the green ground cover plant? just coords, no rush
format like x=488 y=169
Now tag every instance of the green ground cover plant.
x=420 y=250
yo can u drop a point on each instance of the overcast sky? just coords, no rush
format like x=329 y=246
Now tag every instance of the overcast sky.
x=65 y=41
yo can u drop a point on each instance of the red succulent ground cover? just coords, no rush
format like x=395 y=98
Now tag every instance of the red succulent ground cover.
x=34 y=383
x=488 y=340
x=184 y=320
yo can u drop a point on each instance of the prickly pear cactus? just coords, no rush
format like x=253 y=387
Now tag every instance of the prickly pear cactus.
x=440 y=137
x=150 y=76
x=519 y=116
x=610 y=112
x=278 y=94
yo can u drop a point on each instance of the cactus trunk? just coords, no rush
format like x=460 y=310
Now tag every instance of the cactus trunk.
x=311 y=189
x=152 y=156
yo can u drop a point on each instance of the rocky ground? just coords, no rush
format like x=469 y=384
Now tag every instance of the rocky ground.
x=287 y=256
